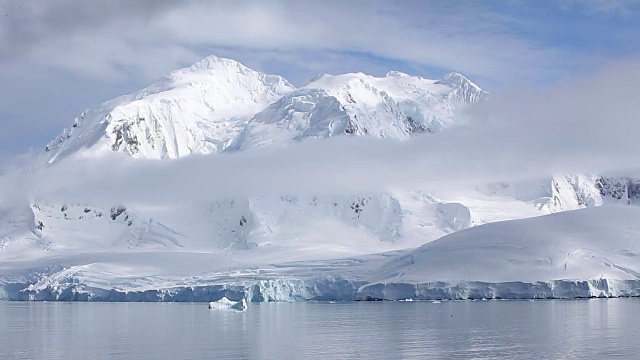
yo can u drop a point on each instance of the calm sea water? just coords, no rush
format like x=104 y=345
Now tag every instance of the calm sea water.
x=577 y=329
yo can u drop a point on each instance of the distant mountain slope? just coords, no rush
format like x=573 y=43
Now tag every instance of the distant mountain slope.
x=395 y=106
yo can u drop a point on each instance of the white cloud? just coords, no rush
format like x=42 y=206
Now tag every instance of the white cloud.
x=600 y=7
x=466 y=38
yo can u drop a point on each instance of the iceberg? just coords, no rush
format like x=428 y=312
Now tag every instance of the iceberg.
x=225 y=303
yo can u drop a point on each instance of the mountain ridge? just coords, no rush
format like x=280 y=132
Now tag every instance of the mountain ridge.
x=205 y=107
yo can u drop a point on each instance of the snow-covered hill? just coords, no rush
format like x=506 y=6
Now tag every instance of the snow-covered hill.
x=582 y=253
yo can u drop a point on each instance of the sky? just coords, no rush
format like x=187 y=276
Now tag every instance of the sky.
x=59 y=58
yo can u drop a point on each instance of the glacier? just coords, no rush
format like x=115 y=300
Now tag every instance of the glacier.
x=556 y=236
x=575 y=254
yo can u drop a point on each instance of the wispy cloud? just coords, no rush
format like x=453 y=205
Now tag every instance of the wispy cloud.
x=101 y=39
x=602 y=7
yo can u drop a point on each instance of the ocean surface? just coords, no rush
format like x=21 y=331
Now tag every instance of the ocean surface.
x=549 y=329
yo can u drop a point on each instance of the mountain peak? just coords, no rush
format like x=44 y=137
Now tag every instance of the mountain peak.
x=220 y=65
x=394 y=73
x=212 y=62
x=455 y=78
x=464 y=89
x=315 y=78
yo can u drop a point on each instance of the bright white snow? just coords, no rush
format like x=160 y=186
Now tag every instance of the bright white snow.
x=196 y=110
x=305 y=246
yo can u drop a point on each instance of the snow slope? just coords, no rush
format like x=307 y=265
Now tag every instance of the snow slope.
x=581 y=253
x=198 y=109
x=601 y=242
x=395 y=106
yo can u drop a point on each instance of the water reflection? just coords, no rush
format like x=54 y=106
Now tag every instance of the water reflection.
x=483 y=330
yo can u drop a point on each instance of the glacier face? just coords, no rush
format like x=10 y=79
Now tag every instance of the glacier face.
x=275 y=247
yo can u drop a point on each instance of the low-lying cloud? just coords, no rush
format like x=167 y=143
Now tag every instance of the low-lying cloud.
x=588 y=125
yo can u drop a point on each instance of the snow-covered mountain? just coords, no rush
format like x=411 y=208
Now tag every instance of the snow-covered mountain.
x=196 y=110
x=217 y=102
x=395 y=106
x=60 y=250
x=571 y=191
x=220 y=105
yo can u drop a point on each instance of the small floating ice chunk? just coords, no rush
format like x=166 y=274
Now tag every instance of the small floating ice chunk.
x=225 y=303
